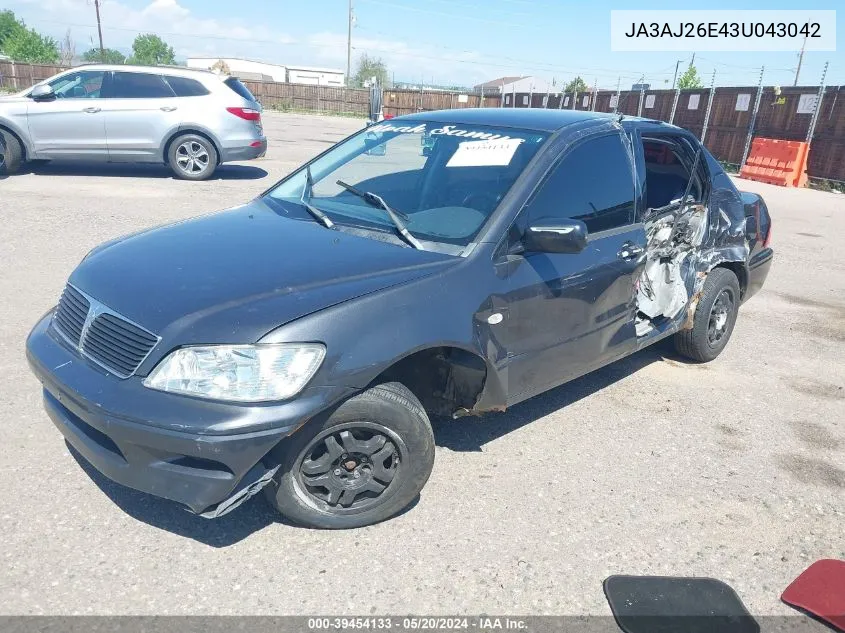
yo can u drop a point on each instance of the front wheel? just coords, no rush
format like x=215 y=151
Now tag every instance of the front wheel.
x=365 y=463
x=13 y=158
x=192 y=157
x=715 y=317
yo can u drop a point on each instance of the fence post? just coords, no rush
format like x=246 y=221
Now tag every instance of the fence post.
x=674 y=105
x=574 y=99
x=753 y=118
x=481 y=100
x=513 y=95
x=818 y=109
x=560 y=102
x=452 y=101
x=642 y=97
x=709 y=106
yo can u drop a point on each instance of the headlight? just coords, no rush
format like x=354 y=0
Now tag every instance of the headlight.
x=242 y=373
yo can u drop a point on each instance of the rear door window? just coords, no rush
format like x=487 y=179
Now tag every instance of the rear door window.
x=139 y=86
x=241 y=90
x=593 y=183
x=184 y=87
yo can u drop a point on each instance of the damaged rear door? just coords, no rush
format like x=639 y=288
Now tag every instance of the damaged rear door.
x=573 y=312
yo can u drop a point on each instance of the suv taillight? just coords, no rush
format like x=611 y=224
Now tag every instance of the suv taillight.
x=247 y=114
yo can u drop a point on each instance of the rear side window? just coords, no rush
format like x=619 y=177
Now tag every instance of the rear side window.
x=139 y=86
x=239 y=88
x=593 y=183
x=184 y=87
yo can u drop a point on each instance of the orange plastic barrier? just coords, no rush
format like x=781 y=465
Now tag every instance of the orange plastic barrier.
x=777 y=162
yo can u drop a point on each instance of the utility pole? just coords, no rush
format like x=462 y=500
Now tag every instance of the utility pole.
x=800 y=60
x=348 y=46
x=99 y=29
x=675 y=78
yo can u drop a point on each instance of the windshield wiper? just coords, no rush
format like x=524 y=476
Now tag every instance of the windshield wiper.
x=396 y=217
x=309 y=185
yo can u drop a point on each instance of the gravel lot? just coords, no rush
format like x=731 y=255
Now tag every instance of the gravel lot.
x=734 y=470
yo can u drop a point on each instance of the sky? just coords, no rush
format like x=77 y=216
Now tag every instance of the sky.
x=460 y=42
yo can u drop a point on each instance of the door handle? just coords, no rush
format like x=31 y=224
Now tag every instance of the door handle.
x=630 y=251
x=167 y=108
x=91 y=110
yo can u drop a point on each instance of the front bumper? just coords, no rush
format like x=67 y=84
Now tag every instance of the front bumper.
x=209 y=456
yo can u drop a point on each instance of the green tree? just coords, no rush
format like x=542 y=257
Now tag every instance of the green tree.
x=369 y=67
x=151 y=50
x=690 y=79
x=108 y=56
x=576 y=85
x=8 y=25
x=23 y=44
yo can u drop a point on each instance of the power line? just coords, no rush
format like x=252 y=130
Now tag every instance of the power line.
x=449 y=15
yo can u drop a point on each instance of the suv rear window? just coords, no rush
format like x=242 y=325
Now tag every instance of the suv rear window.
x=235 y=84
x=139 y=86
x=184 y=87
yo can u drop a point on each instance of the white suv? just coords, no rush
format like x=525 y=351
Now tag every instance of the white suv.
x=192 y=120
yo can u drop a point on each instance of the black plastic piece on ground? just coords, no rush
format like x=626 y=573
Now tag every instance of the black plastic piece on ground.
x=664 y=604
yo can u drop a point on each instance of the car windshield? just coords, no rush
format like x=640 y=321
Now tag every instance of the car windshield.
x=443 y=180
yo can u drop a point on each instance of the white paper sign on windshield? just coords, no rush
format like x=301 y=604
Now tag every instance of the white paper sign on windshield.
x=484 y=153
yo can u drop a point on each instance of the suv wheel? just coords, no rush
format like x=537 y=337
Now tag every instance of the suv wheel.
x=715 y=317
x=362 y=465
x=13 y=154
x=192 y=157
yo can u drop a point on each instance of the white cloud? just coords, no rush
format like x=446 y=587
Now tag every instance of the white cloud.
x=192 y=34
x=188 y=33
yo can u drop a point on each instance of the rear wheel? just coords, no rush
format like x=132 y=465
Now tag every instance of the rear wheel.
x=13 y=154
x=192 y=157
x=362 y=465
x=715 y=317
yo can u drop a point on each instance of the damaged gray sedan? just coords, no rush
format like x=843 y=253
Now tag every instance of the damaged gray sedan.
x=445 y=263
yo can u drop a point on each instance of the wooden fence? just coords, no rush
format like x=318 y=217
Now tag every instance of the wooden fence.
x=785 y=115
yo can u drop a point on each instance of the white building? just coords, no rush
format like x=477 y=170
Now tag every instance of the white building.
x=264 y=71
x=315 y=76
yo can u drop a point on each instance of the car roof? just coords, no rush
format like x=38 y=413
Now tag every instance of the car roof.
x=164 y=70
x=539 y=119
x=527 y=118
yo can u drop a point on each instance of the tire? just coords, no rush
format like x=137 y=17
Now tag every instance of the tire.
x=192 y=157
x=714 y=320
x=14 y=153
x=381 y=438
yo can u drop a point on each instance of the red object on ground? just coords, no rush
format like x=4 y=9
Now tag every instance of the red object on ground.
x=388 y=116
x=820 y=590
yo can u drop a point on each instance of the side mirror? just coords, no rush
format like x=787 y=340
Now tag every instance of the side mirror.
x=555 y=235
x=44 y=92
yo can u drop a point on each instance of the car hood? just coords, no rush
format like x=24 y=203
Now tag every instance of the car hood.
x=233 y=276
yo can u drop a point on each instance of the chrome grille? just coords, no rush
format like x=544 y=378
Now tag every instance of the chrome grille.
x=71 y=314
x=102 y=335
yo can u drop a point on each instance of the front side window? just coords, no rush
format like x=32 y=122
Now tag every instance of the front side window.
x=593 y=183
x=446 y=179
x=139 y=86
x=79 y=85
